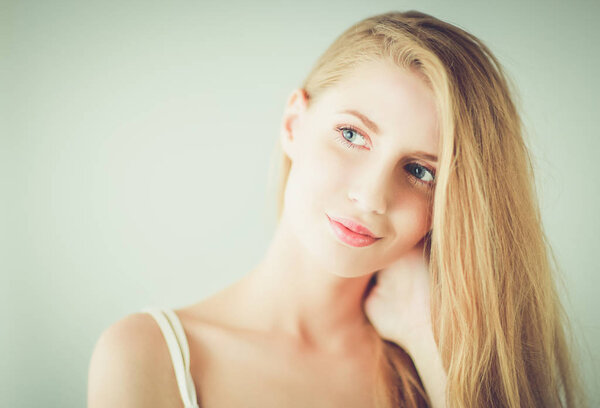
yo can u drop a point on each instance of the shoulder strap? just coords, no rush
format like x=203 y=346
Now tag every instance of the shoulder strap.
x=174 y=335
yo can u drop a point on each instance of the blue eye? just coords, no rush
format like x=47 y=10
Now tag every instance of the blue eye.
x=349 y=133
x=419 y=174
x=422 y=172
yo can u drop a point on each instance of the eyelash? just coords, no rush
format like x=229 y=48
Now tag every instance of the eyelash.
x=350 y=145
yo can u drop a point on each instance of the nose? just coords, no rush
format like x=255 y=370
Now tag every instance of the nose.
x=369 y=194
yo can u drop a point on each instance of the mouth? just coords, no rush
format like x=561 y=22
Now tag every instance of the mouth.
x=351 y=233
x=353 y=226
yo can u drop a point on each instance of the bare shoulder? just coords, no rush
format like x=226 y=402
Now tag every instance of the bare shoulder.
x=131 y=366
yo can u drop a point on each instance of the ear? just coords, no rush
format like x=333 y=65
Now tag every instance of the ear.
x=294 y=109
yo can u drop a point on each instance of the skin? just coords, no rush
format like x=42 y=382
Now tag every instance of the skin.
x=398 y=307
x=295 y=325
x=307 y=270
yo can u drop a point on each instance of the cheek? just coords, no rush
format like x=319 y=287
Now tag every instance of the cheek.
x=312 y=179
x=412 y=220
x=321 y=167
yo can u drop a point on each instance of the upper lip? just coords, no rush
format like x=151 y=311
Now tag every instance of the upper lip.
x=353 y=226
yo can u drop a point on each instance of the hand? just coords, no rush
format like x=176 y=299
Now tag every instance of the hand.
x=398 y=304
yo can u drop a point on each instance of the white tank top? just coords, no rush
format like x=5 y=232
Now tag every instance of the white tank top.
x=172 y=330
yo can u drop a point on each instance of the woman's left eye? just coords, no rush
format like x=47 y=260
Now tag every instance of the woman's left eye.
x=419 y=173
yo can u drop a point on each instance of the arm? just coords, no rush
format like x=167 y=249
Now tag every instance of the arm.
x=428 y=362
x=124 y=366
x=399 y=309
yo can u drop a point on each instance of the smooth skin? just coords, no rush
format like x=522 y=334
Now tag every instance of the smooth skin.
x=293 y=331
x=398 y=307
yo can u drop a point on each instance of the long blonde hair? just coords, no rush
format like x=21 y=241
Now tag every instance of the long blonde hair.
x=498 y=320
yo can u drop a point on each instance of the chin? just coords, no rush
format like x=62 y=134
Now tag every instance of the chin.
x=349 y=268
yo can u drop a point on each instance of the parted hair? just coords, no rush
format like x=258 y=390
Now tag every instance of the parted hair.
x=501 y=329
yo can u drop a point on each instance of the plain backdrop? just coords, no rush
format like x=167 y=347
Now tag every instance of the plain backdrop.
x=136 y=143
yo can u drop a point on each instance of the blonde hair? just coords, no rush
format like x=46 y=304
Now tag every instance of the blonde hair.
x=497 y=317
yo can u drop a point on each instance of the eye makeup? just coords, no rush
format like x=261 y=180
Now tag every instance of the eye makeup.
x=410 y=166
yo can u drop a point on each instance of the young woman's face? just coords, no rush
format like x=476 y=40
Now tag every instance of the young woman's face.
x=378 y=171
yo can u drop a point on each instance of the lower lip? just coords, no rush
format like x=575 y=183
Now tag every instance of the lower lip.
x=350 y=237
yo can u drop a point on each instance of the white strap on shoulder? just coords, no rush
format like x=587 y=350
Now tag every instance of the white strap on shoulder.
x=174 y=335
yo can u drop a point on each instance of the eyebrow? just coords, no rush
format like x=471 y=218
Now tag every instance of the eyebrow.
x=427 y=156
x=368 y=122
x=374 y=128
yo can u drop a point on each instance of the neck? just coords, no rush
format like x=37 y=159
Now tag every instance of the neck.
x=291 y=293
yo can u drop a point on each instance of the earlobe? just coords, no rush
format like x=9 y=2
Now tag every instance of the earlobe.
x=287 y=137
x=295 y=107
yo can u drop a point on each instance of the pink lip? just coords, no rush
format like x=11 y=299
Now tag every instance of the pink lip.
x=353 y=226
x=349 y=236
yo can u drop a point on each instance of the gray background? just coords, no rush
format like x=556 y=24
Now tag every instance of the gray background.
x=135 y=147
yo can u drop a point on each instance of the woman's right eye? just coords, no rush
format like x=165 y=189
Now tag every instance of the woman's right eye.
x=349 y=132
x=349 y=135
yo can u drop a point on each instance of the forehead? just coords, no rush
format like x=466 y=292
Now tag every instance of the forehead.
x=399 y=101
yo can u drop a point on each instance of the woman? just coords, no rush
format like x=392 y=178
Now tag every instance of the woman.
x=409 y=265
